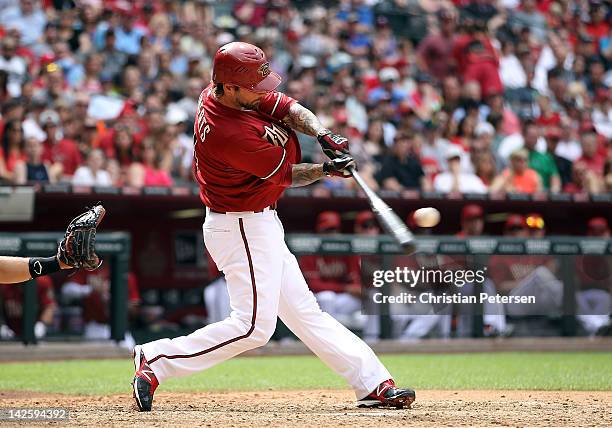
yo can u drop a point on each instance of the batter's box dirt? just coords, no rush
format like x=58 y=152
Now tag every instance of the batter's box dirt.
x=325 y=408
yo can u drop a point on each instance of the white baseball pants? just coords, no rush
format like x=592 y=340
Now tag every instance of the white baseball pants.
x=264 y=281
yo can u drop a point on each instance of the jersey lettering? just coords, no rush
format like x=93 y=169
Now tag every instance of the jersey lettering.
x=203 y=126
x=276 y=135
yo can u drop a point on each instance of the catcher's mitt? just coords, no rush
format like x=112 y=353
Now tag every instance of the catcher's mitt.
x=77 y=249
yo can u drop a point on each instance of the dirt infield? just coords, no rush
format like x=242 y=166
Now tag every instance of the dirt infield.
x=329 y=409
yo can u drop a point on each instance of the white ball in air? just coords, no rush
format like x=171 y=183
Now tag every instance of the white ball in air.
x=427 y=217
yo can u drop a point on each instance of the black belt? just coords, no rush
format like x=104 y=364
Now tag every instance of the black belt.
x=272 y=207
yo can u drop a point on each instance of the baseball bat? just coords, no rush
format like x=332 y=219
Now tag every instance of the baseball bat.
x=390 y=222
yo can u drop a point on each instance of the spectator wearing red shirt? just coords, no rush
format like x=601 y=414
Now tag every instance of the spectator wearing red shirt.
x=425 y=100
x=127 y=119
x=584 y=180
x=251 y=12
x=477 y=60
x=597 y=28
x=149 y=172
x=548 y=117
x=334 y=280
x=435 y=50
x=60 y=152
x=591 y=155
x=123 y=149
x=11 y=298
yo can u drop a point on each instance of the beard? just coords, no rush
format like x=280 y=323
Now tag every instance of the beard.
x=249 y=106
x=252 y=105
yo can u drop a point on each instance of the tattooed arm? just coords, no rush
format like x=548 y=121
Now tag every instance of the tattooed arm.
x=304 y=174
x=303 y=120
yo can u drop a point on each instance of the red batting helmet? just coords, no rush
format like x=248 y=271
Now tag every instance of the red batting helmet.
x=244 y=65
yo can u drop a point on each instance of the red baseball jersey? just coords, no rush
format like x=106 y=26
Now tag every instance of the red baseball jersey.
x=243 y=158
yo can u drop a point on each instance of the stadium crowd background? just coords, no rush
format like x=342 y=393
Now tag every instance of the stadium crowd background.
x=470 y=96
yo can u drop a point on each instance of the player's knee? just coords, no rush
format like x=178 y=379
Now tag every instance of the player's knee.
x=263 y=331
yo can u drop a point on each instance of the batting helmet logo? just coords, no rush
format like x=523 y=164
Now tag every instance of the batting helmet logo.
x=264 y=69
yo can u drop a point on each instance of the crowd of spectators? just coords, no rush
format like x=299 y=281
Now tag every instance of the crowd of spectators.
x=453 y=96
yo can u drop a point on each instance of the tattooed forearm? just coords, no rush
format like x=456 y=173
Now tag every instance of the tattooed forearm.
x=303 y=120
x=305 y=173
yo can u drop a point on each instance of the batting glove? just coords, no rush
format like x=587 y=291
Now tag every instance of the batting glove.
x=333 y=145
x=340 y=167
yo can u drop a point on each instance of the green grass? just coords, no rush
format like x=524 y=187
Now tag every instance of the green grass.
x=544 y=371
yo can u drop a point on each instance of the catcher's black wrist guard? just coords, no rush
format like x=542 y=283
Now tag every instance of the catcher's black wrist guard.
x=77 y=249
x=40 y=266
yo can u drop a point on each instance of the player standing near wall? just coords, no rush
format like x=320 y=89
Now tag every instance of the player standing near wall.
x=246 y=154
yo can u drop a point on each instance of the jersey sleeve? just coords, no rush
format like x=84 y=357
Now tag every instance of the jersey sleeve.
x=260 y=158
x=276 y=105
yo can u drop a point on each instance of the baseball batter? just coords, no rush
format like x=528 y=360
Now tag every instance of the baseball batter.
x=246 y=154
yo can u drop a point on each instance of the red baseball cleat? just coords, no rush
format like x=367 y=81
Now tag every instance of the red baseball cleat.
x=388 y=395
x=145 y=383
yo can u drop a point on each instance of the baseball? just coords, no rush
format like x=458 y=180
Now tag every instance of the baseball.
x=427 y=217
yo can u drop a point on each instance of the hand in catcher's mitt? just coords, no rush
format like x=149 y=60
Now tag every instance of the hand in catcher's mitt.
x=77 y=249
